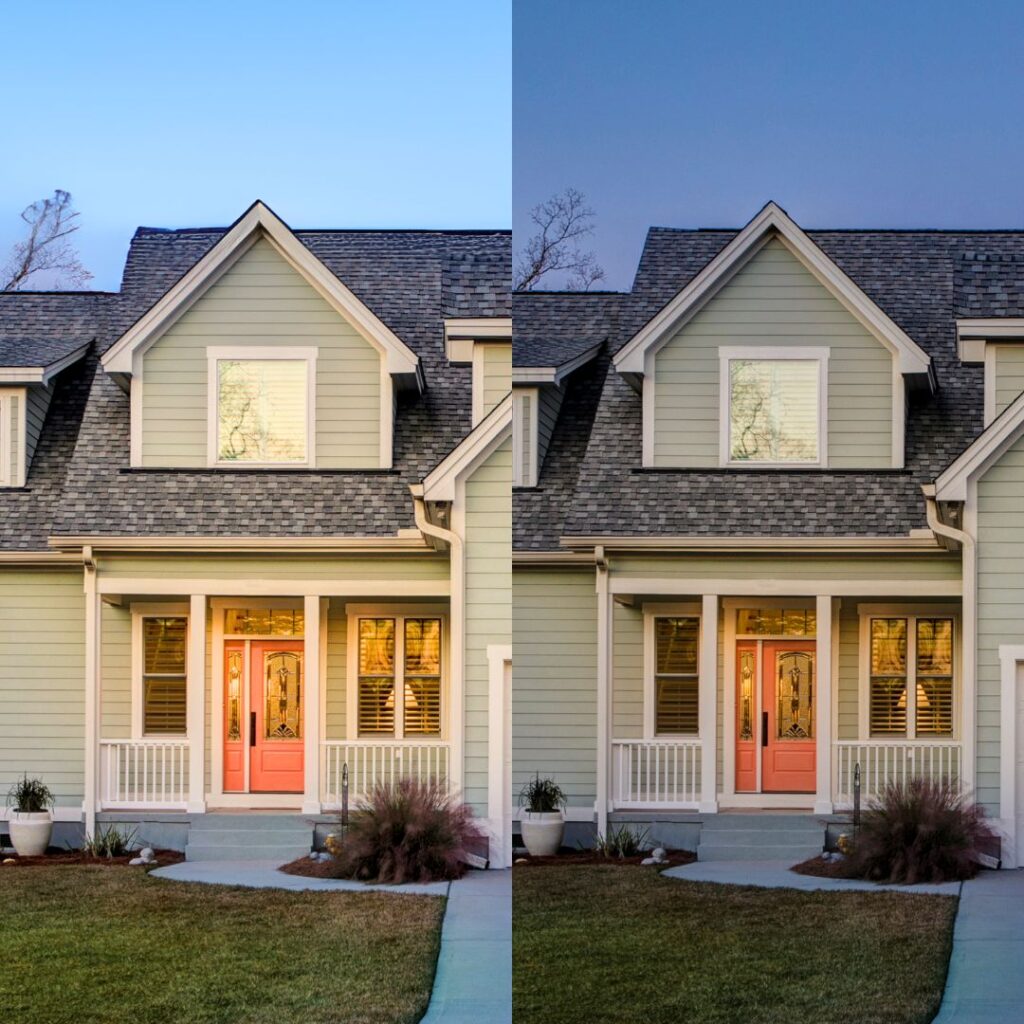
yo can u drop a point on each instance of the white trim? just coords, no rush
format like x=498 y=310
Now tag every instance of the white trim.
x=707 y=710
x=258 y=801
x=312 y=722
x=40 y=374
x=524 y=458
x=922 y=541
x=899 y=418
x=259 y=220
x=990 y=385
x=768 y=353
x=984 y=328
x=553 y=374
x=771 y=221
x=149 y=610
x=753 y=588
x=1011 y=659
x=196 y=703
x=215 y=354
x=160 y=586
x=6 y=475
x=910 y=611
x=476 y=329
x=605 y=686
x=93 y=654
x=479 y=377
x=661 y=610
x=1007 y=428
x=388 y=411
x=405 y=541
x=136 y=392
x=440 y=483
x=828 y=680
x=499 y=783
x=770 y=801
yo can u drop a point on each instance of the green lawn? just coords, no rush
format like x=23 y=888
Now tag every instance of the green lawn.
x=596 y=945
x=83 y=945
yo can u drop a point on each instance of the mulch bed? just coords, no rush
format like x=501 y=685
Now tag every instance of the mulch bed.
x=567 y=856
x=58 y=858
x=822 y=868
x=307 y=868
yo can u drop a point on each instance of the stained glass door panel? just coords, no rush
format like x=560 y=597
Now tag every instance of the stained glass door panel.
x=234 y=714
x=746 y=716
x=788 y=695
x=276 y=688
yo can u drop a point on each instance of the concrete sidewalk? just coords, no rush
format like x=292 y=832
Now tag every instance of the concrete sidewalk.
x=473 y=984
x=986 y=971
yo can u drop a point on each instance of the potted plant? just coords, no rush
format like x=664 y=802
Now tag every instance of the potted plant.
x=540 y=816
x=29 y=820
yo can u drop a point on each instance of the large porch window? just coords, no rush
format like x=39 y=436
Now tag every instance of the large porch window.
x=163 y=682
x=674 y=681
x=399 y=676
x=910 y=675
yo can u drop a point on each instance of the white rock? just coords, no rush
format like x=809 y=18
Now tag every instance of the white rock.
x=651 y=860
x=313 y=855
x=138 y=862
x=658 y=853
x=147 y=853
x=519 y=860
x=10 y=860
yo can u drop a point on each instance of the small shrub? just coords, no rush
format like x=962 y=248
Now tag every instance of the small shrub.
x=410 y=831
x=920 y=831
x=108 y=843
x=621 y=842
x=541 y=796
x=29 y=796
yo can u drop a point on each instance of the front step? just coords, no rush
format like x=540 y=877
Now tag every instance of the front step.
x=275 y=837
x=790 y=837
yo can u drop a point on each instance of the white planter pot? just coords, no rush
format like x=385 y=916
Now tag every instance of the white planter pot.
x=30 y=832
x=542 y=832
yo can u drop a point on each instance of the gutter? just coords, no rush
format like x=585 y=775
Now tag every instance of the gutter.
x=917 y=541
x=404 y=541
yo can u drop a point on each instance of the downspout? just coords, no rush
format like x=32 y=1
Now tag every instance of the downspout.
x=457 y=603
x=603 y=690
x=969 y=624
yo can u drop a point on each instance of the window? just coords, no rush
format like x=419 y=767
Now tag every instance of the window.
x=910 y=682
x=261 y=406
x=399 y=676
x=774 y=407
x=164 y=675
x=784 y=622
x=264 y=622
x=676 y=642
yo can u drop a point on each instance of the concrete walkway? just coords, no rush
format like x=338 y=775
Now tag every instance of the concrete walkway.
x=473 y=983
x=986 y=971
x=772 y=874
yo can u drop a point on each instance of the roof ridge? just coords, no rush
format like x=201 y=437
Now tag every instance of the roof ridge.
x=143 y=229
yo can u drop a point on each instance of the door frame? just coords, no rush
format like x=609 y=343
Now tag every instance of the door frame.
x=729 y=797
x=1011 y=803
x=499 y=767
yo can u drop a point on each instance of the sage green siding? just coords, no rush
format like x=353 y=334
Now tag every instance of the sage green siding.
x=488 y=612
x=115 y=673
x=847 y=701
x=262 y=301
x=554 y=688
x=497 y=373
x=1000 y=614
x=773 y=301
x=336 y=625
x=42 y=690
x=1009 y=374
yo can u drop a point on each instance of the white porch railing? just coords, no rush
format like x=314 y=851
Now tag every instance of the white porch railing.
x=883 y=762
x=649 y=773
x=371 y=764
x=144 y=774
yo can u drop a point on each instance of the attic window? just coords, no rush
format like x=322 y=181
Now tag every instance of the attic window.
x=263 y=409
x=774 y=407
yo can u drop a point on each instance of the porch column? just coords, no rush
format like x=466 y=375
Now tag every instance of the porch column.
x=92 y=698
x=311 y=708
x=195 y=703
x=707 y=704
x=603 y=691
x=823 y=717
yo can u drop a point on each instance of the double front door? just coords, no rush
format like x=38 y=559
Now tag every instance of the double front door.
x=264 y=688
x=776 y=691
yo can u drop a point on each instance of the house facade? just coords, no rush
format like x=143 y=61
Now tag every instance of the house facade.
x=768 y=531
x=255 y=532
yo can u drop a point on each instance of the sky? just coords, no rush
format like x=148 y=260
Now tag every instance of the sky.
x=694 y=114
x=337 y=113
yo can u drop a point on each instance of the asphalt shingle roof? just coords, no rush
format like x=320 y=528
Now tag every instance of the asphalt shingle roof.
x=923 y=280
x=80 y=481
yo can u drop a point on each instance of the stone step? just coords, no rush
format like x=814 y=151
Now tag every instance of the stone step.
x=763 y=837
x=282 y=853
x=247 y=822
x=760 y=822
x=250 y=837
x=789 y=852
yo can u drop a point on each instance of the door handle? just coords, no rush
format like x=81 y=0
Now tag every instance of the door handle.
x=764 y=729
x=252 y=728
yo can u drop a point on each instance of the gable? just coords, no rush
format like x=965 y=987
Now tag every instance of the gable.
x=261 y=301
x=773 y=301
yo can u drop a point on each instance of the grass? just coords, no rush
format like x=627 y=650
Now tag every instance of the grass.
x=92 y=945
x=607 y=944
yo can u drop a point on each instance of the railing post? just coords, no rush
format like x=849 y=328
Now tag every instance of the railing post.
x=311 y=711
x=707 y=704
x=195 y=706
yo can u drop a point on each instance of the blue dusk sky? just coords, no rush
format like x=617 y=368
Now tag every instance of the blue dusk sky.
x=686 y=114
x=391 y=113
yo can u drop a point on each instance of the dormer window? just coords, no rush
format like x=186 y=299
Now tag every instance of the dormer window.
x=262 y=407
x=773 y=406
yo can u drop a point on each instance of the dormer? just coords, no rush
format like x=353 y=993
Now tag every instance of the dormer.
x=485 y=343
x=997 y=343
x=261 y=358
x=773 y=358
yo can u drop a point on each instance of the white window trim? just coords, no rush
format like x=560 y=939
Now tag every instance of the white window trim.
x=688 y=610
x=867 y=612
x=12 y=471
x=524 y=459
x=242 y=353
x=763 y=353
x=153 y=611
x=399 y=613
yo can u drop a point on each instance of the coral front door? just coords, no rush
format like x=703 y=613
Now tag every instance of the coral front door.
x=788 y=694
x=263 y=710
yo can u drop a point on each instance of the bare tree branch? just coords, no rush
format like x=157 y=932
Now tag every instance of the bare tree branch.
x=48 y=248
x=562 y=222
